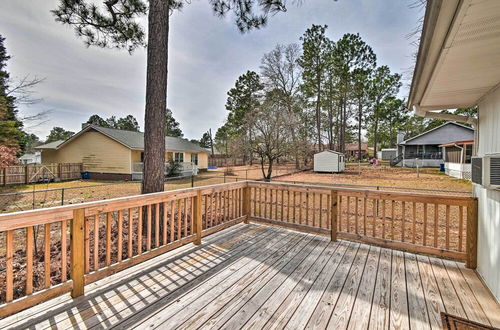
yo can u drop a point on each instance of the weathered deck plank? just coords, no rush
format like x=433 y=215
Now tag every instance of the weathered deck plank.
x=255 y=276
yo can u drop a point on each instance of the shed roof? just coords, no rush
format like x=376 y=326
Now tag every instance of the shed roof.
x=446 y=133
x=130 y=139
x=330 y=151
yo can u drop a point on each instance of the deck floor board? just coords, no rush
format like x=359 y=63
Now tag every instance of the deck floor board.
x=255 y=276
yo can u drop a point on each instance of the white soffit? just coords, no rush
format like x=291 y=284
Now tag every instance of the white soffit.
x=469 y=64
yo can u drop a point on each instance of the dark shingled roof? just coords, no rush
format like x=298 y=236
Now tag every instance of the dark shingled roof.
x=130 y=139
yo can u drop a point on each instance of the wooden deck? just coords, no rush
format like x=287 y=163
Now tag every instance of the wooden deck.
x=255 y=276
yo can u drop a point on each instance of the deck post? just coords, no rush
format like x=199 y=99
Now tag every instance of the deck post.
x=471 y=247
x=77 y=253
x=246 y=203
x=197 y=219
x=333 y=215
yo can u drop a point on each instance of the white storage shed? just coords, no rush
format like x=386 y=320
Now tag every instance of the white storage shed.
x=329 y=161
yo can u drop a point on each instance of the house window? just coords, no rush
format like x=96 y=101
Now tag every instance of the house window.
x=179 y=157
x=194 y=159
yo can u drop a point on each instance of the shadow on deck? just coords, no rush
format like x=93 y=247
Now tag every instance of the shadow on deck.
x=256 y=276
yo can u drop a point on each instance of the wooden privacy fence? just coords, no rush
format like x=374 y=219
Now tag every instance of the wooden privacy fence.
x=48 y=252
x=25 y=174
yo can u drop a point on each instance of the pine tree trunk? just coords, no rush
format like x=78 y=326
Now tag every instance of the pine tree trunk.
x=375 y=133
x=156 y=97
x=360 y=112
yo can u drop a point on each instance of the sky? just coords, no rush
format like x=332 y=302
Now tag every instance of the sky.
x=206 y=56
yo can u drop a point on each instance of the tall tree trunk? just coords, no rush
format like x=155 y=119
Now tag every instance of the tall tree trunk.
x=360 y=112
x=375 y=133
x=156 y=97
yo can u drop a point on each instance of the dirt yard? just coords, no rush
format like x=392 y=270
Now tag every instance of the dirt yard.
x=428 y=178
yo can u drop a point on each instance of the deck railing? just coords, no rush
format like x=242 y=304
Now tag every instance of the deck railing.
x=49 y=252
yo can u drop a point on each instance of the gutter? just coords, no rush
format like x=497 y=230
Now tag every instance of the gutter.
x=445 y=116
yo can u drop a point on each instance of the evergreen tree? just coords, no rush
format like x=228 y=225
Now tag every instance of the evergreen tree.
x=128 y=123
x=172 y=127
x=11 y=132
x=205 y=141
x=314 y=61
x=98 y=121
x=58 y=134
x=116 y=24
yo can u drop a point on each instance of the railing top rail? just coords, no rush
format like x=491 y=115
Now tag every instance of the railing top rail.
x=22 y=219
x=365 y=191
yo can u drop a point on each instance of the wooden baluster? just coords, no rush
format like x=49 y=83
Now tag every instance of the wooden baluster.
x=185 y=220
x=9 y=268
x=29 y=260
x=447 y=227
x=270 y=204
x=314 y=209
x=254 y=201
x=211 y=197
x=374 y=216
x=77 y=252
x=328 y=211
x=460 y=227
x=339 y=220
x=120 y=235
x=46 y=260
x=197 y=225
x=205 y=199
x=294 y=206
x=64 y=251
x=96 y=242
x=86 y=229
x=425 y=225
x=139 y=230
x=364 y=215
x=356 y=206
x=348 y=220
x=108 y=238
x=130 y=232
x=288 y=205
x=383 y=218
x=157 y=225
x=246 y=203
x=179 y=219
x=403 y=221
x=235 y=203
x=393 y=218
x=148 y=227
x=307 y=208
x=320 y=210
x=165 y=225
x=436 y=217
x=172 y=221
x=333 y=215
x=414 y=228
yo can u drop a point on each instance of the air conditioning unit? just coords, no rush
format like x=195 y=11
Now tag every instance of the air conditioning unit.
x=486 y=171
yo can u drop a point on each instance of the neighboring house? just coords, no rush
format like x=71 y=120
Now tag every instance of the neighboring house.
x=387 y=154
x=329 y=161
x=113 y=154
x=33 y=158
x=458 y=65
x=457 y=158
x=352 y=150
x=424 y=150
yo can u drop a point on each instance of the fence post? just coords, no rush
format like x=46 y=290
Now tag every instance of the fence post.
x=333 y=215
x=62 y=196
x=246 y=203
x=197 y=219
x=78 y=256
x=224 y=176
x=26 y=174
x=192 y=180
x=471 y=247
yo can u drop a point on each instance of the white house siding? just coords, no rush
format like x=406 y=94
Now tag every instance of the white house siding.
x=460 y=171
x=489 y=200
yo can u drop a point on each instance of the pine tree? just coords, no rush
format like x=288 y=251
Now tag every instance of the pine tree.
x=172 y=127
x=11 y=132
x=116 y=24
x=58 y=134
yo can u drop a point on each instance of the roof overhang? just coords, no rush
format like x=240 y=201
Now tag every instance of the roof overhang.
x=458 y=60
